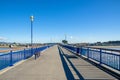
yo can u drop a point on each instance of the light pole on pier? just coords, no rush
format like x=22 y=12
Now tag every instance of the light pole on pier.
x=65 y=37
x=31 y=19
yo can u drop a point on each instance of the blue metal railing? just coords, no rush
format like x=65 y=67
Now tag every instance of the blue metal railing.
x=4 y=60
x=8 y=59
x=108 y=57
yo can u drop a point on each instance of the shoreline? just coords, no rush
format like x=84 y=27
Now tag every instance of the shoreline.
x=16 y=48
x=105 y=46
x=13 y=49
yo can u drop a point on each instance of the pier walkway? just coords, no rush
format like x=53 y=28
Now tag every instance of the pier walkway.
x=56 y=63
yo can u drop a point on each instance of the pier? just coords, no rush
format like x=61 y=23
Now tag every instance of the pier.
x=56 y=63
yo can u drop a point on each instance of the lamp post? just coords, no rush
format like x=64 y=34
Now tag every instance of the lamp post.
x=65 y=37
x=31 y=19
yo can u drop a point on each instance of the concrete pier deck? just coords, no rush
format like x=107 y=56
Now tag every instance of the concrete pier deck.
x=83 y=70
x=56 y=64
x=47 y=67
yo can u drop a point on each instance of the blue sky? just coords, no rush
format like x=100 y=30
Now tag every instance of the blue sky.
x=80 y=20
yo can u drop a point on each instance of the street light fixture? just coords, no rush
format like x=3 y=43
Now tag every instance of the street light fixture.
x=32 y=18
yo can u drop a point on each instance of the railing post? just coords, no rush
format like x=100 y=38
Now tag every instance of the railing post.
x=119 y=62
x=100 y=56
x=35 y=56
x=88 y=53
x=31 y=52
x=11 y=58
x=78 y=50
x=24 y=54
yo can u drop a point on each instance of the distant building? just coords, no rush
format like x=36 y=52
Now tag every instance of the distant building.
x=10 y=46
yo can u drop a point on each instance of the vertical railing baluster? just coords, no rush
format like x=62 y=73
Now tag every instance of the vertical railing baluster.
x=119 y=62
x=88 y=53
x=100 y=56
x=114 y=61
x=11 y=58
x=78 y=50
x=81 y=51
x=24 y=54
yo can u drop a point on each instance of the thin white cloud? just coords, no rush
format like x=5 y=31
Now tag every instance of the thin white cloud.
x=2 y=38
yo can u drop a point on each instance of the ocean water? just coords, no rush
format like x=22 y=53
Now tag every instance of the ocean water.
x=115 y=48
x=5 y=48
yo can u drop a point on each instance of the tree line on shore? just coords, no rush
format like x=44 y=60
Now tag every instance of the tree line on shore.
x=108 y=43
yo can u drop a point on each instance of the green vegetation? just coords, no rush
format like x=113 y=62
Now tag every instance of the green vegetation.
x=64 y=41
x=108 y=43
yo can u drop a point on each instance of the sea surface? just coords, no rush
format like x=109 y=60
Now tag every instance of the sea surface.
x=5 y=48
x=115 y=48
